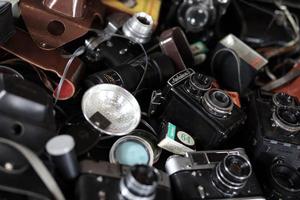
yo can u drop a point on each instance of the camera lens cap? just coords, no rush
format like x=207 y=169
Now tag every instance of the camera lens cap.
x=85 y=136
x=131 y=150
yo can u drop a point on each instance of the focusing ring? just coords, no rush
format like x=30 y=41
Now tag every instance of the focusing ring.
x=133 y=189
x=225 y=181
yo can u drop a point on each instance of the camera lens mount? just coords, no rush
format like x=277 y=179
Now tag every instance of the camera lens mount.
x=140 y=183
x=283 y=99
x=198 y=84
x=285 y=179
x=194 y=16
x=139 y=27
x=217 y=102
x=287 y=118
x=231 y=174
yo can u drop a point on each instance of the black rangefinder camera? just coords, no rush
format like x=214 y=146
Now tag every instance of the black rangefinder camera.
x=207 y=113
x=213 y=175
x=103 y=180
x=275 y=123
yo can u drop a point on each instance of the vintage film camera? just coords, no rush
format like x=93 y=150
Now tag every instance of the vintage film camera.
x=275 y=123
x=190 y=102
x=117 y=50
x=213 y=175
x=115 y=182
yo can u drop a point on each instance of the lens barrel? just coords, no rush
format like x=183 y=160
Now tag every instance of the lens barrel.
x=231 y=174
x=193 y=16
x=160 y=69
x=140 y=183
x=285 y=180
x=139 y=27
x=217 y=102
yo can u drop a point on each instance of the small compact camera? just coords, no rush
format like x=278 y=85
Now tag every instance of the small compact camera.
x=207 y=113
x=213 y=175
x=118 y=43
x=120 y=182
x=275 y=124
x=198 y=15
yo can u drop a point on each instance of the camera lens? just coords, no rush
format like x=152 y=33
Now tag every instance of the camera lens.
x=285 y=179
x=160 y=69
x=196 y=17
x=197 y=84
x=283 y=99
x=237 y=166
x=139 y=27
x=131 y=150
x=220 y=99
x=231 y=175
x=217 y=102
x=143 y=20
x=193 y=16
x=140 y=182
x=144 y=175
x=287 y=118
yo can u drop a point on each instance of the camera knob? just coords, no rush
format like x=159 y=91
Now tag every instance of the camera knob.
x=198 y=84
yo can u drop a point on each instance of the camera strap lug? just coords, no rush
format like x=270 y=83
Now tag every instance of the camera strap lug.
x=156 y=101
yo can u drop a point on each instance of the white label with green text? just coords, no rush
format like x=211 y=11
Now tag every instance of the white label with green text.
x=185 y=138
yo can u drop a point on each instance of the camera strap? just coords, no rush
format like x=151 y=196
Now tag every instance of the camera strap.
x=290 y=76
x=39 y=167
